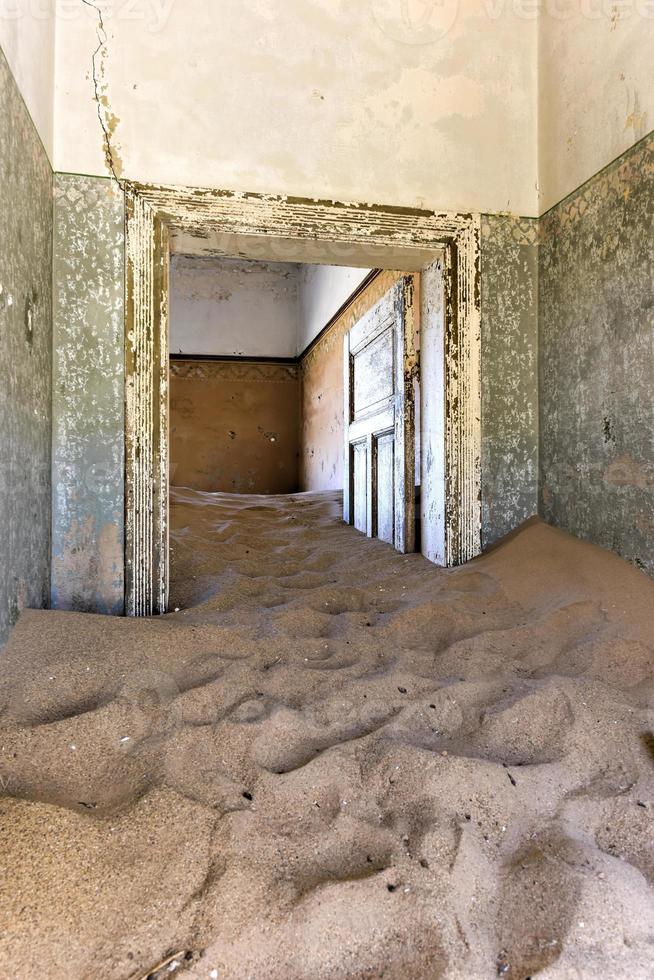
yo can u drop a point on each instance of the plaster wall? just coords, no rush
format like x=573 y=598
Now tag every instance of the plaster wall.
x=27 y=37
x=596 y=89
x=88 y=396
x=509 y=330
x=233 y=307
x=234 y=426
x=596 y=316
x=322 y=290
x=26 y=361
x=316 y=98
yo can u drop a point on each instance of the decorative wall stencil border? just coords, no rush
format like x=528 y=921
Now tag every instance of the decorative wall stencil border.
x=614 y=181
x=152 y=212
x=524 y=231
x=235 y=371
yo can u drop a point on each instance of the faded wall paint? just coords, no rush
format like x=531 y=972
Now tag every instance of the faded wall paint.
x=596 y=88
x=321 y=441
x=234 y=426
x=509 y=290
x=322 y=291
x=233 y=307
x=427 y=105
x=597 y=359
x=88 y=395
x=26 y=361
x=27 y=37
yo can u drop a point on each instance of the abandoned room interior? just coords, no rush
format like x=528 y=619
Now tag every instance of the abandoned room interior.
x=326 y=489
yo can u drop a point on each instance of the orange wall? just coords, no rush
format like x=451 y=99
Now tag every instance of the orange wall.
x=321 y=374
x=234 y=426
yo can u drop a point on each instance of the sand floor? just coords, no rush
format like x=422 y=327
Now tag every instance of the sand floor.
x=336 y=762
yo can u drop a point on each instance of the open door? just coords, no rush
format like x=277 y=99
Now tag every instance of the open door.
x=380 y=364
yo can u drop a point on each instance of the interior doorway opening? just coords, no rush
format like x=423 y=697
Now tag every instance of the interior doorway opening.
x=443 y=247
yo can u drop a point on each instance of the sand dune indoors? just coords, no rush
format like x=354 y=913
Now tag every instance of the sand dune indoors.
x=335 y=762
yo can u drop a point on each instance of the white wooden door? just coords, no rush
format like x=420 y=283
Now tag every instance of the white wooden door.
x=380 y=365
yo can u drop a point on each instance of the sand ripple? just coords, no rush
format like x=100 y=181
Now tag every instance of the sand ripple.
x=335 y=762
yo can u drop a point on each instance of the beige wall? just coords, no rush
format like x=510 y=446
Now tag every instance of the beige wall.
x=321 y=440
x=596 y=88
x=233 y=307
x=234 y=426
x=320 y=98
x=27 y=37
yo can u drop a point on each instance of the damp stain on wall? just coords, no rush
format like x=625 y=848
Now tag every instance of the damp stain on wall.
x=26 y=360
x=596 y=359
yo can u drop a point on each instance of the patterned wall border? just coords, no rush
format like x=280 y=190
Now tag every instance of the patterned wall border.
x=215 y=370
x=523 y=231
x=615 y=181
x=152 y=212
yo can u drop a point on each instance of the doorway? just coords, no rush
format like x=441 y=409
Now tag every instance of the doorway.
x=444 y=247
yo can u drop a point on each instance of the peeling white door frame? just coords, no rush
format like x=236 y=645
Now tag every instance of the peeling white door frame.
x=152 y=212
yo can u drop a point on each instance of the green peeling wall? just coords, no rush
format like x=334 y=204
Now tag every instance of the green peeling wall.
x=509 y=357
x=26 y=359
x=596 y=316
x=88 y=395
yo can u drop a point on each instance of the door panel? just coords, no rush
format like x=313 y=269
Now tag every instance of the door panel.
x=385 y=460
x=373 y=375
x=380 y=370
x=360 y=485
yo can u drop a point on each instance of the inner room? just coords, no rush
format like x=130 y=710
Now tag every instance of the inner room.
x=289 y=377
x=256 y=372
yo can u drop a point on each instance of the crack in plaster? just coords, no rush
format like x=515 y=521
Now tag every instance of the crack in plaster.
x=108 y=120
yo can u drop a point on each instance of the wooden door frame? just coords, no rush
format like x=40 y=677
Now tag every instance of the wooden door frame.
x=152 y=212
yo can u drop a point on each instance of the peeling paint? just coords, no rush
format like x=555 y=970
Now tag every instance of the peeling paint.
x=88 y=374
x=152 y=211
x=106 y=117
x=597 y=357
x=509 y=283
x=321 y=463
x=26 y=360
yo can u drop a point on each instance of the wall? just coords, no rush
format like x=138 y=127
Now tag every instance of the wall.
x=234 y=426
x=509 y=292
x=597 y=359
x=316 y=98
x=26 y=362
x=27 y=37
x=321 y=441
x=596 y=89
x=233 y=307
x=322 y=291
x=88 y=395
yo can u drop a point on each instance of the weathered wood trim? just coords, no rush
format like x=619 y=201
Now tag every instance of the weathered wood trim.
x=406 y=365
x=152 y=212
x=348 y=477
